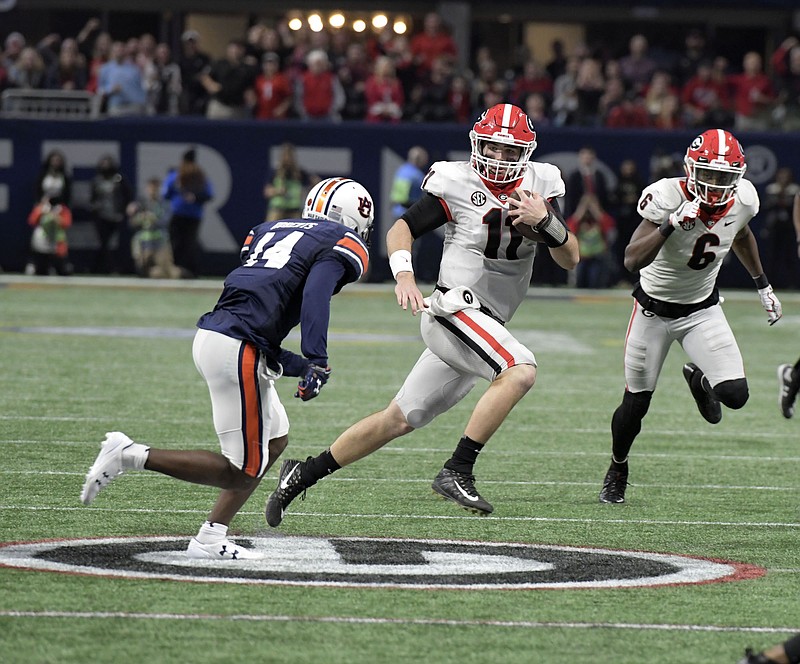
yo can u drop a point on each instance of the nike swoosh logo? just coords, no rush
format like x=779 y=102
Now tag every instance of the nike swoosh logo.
x=285 y=481
x=728 y=223
x=465 y=494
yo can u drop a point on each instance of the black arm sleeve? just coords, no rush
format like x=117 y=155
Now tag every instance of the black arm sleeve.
x=557 y=210
x=425 y=215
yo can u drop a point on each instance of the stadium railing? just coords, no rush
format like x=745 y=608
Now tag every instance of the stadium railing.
x=50 y=104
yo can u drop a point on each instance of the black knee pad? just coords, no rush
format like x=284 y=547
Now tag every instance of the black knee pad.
x=636 y=404
x=732 y=393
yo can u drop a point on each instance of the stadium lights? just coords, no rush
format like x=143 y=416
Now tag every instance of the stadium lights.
x=338 y=19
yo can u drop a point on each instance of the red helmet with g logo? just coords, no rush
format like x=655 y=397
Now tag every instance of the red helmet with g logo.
x=714 y=164
x=508 y=125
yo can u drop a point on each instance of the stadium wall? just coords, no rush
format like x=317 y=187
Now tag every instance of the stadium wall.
x=238 y=157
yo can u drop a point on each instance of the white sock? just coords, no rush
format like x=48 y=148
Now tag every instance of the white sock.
x=211 y=532
x=134 y=456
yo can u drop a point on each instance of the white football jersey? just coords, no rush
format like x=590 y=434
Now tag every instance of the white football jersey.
x=685 y=269
x=482 y=250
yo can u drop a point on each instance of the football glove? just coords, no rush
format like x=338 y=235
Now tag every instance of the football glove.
x=771 y=304
x=686 y=212
x=310 y=385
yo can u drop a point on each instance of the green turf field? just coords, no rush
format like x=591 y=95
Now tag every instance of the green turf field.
x=81 y=359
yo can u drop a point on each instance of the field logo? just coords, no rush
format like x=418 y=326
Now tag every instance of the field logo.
x=376 y=563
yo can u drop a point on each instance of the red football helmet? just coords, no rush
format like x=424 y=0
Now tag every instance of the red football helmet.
x=506 y=124
x=714 y=164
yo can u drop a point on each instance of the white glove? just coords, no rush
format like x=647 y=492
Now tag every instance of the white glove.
x=686 y=212
x=771 y=304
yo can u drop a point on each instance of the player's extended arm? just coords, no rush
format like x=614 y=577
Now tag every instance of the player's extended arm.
x=398 y=247
x=746 y=249
x=537 y=220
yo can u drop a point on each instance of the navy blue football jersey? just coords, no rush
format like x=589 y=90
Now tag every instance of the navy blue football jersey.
x=290 y=269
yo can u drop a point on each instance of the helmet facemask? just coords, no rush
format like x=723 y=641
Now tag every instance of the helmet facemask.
x=712 y=184
x=504 y=124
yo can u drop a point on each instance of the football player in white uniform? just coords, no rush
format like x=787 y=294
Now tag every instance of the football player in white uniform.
x=689 y=225
x=789 y=375
x=489 y=246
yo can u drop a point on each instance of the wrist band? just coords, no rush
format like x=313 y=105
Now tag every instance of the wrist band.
x=761 y=281
x=400 y=261
x=666 y=229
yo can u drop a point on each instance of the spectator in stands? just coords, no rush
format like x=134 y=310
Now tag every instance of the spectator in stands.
x=557 y=64
x=110 y=195
x=399 y=49
x=703 y=98
x=596 y=230
x=353 y=73
x=533 y=79
x=753 y=95
x=187 y=190
x=589 y=88
x=786 y=65
x=694 y=52
x=433 y=95
x=194 y=63
x=144 y=57
x=433 y=43
x=637 y=66
x=286 y=191
x=50 y=219
x=164 y=86
x=383 y=92
x=460 y=99
x=657 y=91
x=485 y=83
x=613 y=95
x=28 y=71
x=273 y=90
x=120 y=82
x=565 y=95
x=587 y=178
x=69 y=71
x=629 y=113
x=99 y=56
x=535 y=107
x=670 y=115
x=318 y=92
x=624 y=205
x=778 y=232
x=14 y=44
x=230 y=82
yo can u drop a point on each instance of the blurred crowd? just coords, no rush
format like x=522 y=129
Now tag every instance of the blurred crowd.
x=272 y=72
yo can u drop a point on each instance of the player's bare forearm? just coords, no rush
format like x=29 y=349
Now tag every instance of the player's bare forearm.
x=567 y=255
x=398 y=237
x=643 y=247
x=746 y=249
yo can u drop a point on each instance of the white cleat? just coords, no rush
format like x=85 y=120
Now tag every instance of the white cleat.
x=222 y=550
x=106 y=466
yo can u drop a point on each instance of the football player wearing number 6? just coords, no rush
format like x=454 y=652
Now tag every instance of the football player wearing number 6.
x=290 y=270
x=688 y=226
x=490 y=241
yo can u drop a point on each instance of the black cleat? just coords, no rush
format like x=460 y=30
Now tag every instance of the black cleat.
x=751 y=657
x=290 y=485
x=460 y=488
x=786 y=396
x=707 y=404
x=614 y=485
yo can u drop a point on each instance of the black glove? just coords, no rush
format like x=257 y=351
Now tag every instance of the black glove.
x=310 y=385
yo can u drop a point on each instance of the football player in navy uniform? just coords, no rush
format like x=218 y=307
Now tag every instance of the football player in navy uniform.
x=490 y=240
x=290 y=270
x=688 y=227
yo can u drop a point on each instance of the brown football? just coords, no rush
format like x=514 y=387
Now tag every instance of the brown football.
x=527 y=231
x=515 y=193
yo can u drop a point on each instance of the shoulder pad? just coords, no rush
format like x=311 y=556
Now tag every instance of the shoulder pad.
x=661 y=198
x=550 y=176
x=748 y=196
x=443 y=174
